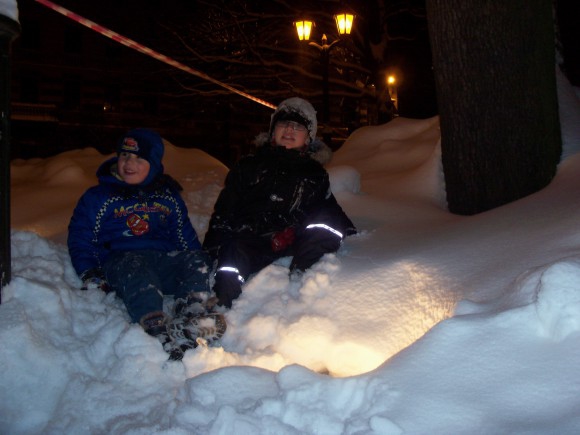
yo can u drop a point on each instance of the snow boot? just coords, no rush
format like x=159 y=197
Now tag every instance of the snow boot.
x=156 y=325
x=195 y=322
x=203 y=329
x=192 y=305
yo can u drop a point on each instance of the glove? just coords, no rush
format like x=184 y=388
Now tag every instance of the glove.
x=95 y=279
x=282 y=239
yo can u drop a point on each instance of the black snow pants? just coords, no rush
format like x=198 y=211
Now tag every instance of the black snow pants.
x=245 y=254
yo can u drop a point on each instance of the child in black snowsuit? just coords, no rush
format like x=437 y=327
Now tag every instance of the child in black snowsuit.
x=276 y=203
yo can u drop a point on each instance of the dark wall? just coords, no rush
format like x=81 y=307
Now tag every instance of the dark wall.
x=568 y=14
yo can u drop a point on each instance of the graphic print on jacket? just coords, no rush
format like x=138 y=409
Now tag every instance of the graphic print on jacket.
x=139 y=223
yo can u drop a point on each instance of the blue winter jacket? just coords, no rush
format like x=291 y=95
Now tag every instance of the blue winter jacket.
x=115 y=216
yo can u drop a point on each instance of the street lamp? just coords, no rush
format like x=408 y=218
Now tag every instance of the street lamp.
x=392 y=88
x=303 y=28
x=344 y=23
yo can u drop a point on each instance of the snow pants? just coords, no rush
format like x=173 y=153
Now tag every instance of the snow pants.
x=243 y=255
x=142 y=278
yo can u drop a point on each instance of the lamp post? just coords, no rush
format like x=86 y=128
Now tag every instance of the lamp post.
x=344 y=23
x=392 y=88
x=9 y=30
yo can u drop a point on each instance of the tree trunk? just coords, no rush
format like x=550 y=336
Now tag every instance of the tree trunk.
x=494 y=66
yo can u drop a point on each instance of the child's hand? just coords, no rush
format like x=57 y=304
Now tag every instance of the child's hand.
x=96 y=283
x=95 y=279
x=282 y=239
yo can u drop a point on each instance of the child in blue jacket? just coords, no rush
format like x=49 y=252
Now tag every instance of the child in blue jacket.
x=131 y=234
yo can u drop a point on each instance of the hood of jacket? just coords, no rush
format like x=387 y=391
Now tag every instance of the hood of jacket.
x=107 y=174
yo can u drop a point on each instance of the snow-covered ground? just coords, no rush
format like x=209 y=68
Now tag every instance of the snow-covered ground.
x=423 y=323
x=9 y=9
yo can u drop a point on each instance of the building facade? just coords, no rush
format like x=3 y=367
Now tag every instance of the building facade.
x=73 y=88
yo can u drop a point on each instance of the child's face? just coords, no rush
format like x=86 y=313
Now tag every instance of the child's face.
x=290 y=134
x=132 y=168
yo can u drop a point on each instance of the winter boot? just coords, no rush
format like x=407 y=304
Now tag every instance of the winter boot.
x=195 y=321
x=155 y=324
x=204 y=329
x=183 y=338
x=192 y=305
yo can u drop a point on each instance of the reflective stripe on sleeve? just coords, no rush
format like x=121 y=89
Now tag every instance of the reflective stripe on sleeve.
x=325 y=227
x=230 y=269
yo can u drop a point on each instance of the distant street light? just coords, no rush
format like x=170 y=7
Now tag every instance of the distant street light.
x=392 y=87
x=344 y=23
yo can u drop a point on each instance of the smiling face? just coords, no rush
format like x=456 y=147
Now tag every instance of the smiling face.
x=132 y=168
x=290 y=134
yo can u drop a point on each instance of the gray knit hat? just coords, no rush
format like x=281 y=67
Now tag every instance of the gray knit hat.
x=298 y=110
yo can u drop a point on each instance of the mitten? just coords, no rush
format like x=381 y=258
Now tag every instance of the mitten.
x=282 y=239
x=95 y=279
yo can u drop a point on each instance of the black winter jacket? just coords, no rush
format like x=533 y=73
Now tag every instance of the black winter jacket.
x=271 y=190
